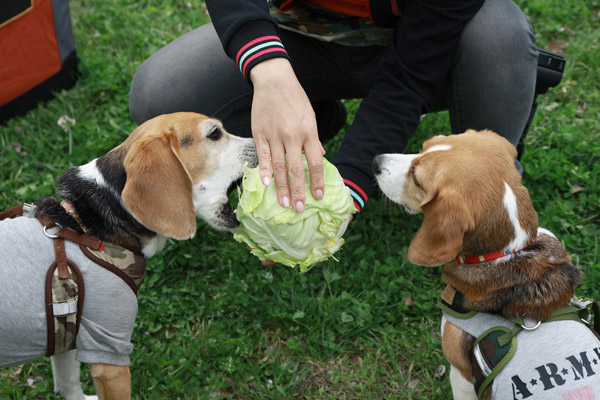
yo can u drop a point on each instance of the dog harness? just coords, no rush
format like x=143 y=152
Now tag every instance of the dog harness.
x=496 y=345
x=64 y=285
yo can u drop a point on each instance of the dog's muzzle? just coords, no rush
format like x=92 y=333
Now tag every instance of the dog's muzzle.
x=376 y=165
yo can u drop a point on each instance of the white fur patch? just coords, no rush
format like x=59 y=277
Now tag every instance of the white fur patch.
x=90 y=172
x=544 y=231
x=153 y=245
x=461 y=388
x=65 y=370
x=394 y=169
x=444 y=320
x=438 y=147
x=394 y=173
x=510 y=204
x=210 y=195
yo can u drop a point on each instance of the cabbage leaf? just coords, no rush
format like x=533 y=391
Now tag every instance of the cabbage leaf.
x=288 y=237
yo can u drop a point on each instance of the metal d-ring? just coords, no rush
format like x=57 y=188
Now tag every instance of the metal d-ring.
x=530 y=328
x=49 y=235
x=582 y=305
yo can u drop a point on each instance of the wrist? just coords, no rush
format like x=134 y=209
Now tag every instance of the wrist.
x=271 y=71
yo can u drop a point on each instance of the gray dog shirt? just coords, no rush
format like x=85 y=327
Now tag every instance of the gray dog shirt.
x=558 y=360
x=109 y=310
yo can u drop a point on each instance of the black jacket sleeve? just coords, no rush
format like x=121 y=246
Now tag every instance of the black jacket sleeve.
x=247 y=31
x=413 y=71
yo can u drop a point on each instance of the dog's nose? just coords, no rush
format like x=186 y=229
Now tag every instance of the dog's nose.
x=375 y=166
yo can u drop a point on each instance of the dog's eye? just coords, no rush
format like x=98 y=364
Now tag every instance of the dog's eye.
x=214 y=134
x=414 y=177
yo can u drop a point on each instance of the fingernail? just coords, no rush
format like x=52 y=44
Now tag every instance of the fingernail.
x=286 y=201
x=319 y=194
x=266 y=181
x=299 y=206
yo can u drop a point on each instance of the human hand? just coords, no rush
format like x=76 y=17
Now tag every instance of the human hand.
x=284 y=125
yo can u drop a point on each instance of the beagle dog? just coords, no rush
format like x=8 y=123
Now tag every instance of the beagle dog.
x=170 y=170
x=508 y=300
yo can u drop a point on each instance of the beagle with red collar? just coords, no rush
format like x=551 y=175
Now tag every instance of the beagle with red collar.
x=510 y=328
x=170 y=170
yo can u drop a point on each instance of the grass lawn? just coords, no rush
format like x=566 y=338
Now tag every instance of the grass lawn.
x=215 y=324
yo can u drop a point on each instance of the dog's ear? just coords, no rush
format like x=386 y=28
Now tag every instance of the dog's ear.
x=445 y=222
x=158 y=190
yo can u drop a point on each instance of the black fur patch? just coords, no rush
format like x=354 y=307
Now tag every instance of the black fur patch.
x=50 y=207
x=99 y=207
x=112 y=169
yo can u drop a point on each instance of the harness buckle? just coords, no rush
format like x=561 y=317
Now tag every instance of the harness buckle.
x=65 y=308
x=29 y=210
x=582 y=305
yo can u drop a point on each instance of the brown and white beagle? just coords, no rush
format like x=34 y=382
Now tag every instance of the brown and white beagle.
x=480 y=223
x=170 y=170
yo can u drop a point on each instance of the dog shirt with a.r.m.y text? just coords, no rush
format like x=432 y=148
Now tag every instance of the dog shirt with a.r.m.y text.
x=558 y=360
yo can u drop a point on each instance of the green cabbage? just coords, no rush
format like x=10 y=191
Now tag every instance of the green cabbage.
x=288 y=237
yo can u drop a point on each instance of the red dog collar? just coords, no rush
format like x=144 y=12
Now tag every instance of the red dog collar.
x=490 y=256
x=70 y=209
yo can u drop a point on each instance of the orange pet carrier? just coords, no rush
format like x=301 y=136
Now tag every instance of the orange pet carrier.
x=37 y=53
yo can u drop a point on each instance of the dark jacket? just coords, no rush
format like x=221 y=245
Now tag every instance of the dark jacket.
x=413 y=71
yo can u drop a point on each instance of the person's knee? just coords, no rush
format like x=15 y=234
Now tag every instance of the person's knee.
x=192 y=73
x=138 y=99
x=500 y=33
x=498 y=56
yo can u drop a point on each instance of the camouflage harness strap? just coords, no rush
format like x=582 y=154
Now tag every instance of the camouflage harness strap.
x=64 y=288
x=494 y=348
x=129 y=266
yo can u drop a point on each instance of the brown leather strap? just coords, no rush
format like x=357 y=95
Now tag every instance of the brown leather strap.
x=49 y=310
x=59 y=244
x=61 y=258
x=11 y=212
x=88 y=241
